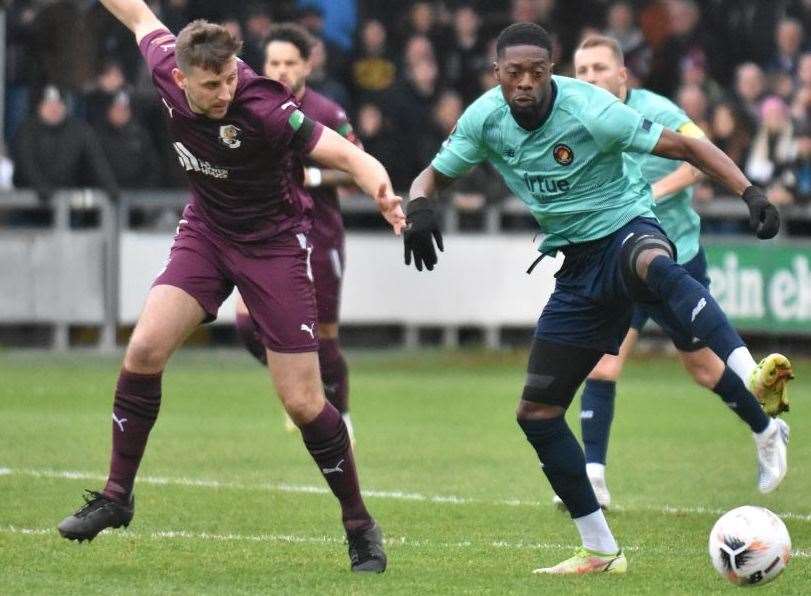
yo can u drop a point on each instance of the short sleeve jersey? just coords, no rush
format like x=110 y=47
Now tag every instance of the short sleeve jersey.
x=675 y=211
x=241 y=167
x=569 y=171
x=328 y=226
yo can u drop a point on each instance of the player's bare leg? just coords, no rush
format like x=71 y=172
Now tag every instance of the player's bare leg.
x=704 y=366
x=332 y=364
x=298 y=383
x=167 y=319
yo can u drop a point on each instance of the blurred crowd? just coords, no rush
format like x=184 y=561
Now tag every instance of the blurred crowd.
x=80 y=109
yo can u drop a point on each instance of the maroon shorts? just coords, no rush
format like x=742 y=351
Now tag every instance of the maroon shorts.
x=328 y=270
x=274 y=278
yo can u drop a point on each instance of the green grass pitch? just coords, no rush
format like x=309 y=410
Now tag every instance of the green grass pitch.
x=229 y=503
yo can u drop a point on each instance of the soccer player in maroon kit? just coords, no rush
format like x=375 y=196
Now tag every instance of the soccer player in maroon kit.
x=287 y=52
x=239 y=137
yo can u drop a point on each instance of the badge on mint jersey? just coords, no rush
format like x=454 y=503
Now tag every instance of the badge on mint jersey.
x=563 y=154
x=229 y=135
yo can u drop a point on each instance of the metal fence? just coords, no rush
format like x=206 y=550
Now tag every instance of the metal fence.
x=61 y=264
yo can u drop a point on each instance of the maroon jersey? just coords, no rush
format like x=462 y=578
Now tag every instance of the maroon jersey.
x=328 y=225
x=241 y=168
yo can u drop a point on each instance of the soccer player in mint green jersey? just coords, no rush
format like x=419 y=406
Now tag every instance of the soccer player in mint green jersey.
x=559 y=144
x=599 y=61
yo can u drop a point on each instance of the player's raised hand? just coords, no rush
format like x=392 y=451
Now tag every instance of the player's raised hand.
x=422 y=228
x=391 y=206
x=764 y=220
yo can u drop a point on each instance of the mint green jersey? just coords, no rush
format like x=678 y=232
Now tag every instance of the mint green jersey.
x=570 y=170
x=674 y=211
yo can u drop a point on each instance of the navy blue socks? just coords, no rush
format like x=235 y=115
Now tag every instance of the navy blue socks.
x=563 y=463
x=596 y=414
x=741 y=401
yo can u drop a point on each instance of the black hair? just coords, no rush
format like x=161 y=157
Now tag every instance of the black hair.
x=292 y=33
x=523 y=34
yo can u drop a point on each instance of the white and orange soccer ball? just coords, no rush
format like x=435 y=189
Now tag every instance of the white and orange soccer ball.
x=749 y=546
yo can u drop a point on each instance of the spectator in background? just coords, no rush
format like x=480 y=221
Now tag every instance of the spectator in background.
x=234 y=28
x=54 y=150
x=773 y=144
x=20 y=65
x=801 y=103
x=621 y=25
x=320 y=79
x=257 y=27
x=532 y=11
x=729 y=131
x=419 y=21
x=797 y=176
x=692 y=100
x=788 y=40
x=463 y=57
x=782 y=84
x=311 y=17
x=804 y=70
x=109 y=82
x=444 y=114
x=688 y=39
x=418 y=48
x=422 y=21
x=486 y=78
x=694 y=72
x=339 y=21
x=127 y=146
x=408 y=107
x=176 y=14
x=373 y=71
x=61 y=48
x=750 y=87
x=378 y=141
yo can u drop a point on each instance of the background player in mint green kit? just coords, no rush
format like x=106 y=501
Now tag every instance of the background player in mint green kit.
x=559 y=144
x=599 y=61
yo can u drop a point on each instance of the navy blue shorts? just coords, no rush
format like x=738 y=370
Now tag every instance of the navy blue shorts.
x=685 y=342
x=591 y=306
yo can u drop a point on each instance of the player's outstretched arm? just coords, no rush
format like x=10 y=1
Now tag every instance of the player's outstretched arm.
x=334 y=151
x=423 y=219
x=763 y=217
x=135 y=15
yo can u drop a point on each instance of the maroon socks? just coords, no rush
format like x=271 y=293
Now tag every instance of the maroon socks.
x=136 y=405
x=327 y=441
x=334 y=374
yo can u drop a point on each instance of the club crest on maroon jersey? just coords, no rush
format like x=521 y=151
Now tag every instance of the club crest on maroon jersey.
x=229 y=135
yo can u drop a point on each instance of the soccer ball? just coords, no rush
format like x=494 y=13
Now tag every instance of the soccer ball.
x=749 y=546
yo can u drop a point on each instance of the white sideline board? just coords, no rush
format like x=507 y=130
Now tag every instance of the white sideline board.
x=480 y=280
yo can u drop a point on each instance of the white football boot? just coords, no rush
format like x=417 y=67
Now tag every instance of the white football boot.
x=772 y=456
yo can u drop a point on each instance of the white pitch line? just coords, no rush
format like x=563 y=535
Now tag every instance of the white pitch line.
x=380 y=494
x=390 y=542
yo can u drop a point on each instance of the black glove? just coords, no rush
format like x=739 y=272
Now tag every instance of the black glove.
x=763 y=216
x=421 y=224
